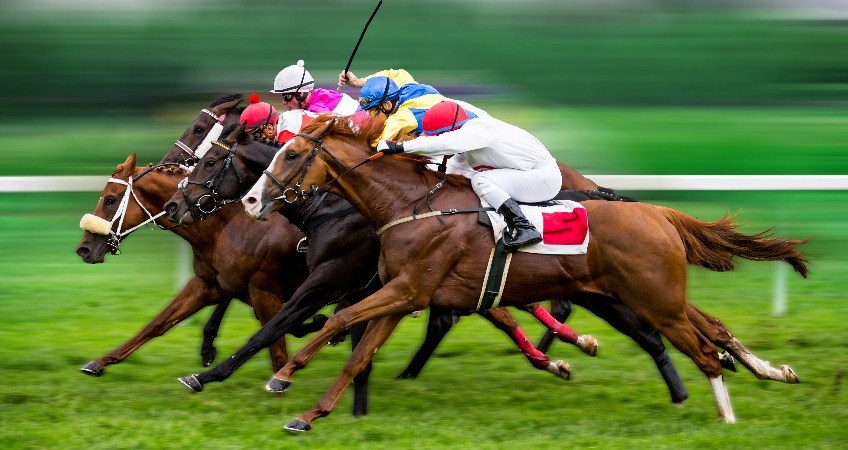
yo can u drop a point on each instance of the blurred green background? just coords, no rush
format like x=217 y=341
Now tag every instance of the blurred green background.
x=611 y=87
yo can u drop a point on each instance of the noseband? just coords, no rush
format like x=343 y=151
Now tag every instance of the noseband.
x=213 y=184
x=118 y=235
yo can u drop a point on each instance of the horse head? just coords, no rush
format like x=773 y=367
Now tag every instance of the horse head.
x=230 y=166
x=197 y=139
x=295 y=167
x=125 y=205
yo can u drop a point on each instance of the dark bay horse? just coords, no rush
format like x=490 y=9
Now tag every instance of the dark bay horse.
x=637 y=256
x=232 y=256
x=343 y=253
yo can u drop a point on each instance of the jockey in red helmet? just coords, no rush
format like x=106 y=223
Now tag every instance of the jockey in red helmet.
x=508 y=163
x=260 y=118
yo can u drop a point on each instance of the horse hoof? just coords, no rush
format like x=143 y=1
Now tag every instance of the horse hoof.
x=208 y=357
x=727 y=361
x=588 y=344
x=277 y=386
x=192 y=383
x=93 y=368
x=297 y=426
x=560 y=369
x=789 y=375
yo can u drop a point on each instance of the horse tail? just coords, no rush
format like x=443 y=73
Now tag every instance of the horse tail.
x=714 y=244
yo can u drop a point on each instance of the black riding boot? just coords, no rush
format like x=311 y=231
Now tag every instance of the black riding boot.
x=525 y=232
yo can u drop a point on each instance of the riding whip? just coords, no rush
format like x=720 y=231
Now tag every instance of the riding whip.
x=360 y=40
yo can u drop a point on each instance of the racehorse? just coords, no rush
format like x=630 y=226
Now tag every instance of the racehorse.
x=234 y=163
x=637 y=256
x=233 y=257
x=343 y=252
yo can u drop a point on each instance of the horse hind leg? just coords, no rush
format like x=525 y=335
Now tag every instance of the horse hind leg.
x=503 y=321
x=686 y=338
x=585 y=342
x=718 y=333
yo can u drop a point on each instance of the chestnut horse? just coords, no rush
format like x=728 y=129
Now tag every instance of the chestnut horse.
x=234 y=163
x=343 y=252
x=222 y=271
x=637 y=256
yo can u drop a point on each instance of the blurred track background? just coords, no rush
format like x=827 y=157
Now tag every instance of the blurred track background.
x=611 y=87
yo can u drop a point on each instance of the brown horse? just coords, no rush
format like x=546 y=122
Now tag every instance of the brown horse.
x=233 y=257
x=637 y=256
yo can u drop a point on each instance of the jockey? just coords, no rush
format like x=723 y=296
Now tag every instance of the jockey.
x=403 y=101
x=260 y=118
x=264 y=122
x=508 y=163
x=296 y=86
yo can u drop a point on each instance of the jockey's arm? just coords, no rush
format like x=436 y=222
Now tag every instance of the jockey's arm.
x=465 y=139
x=398 y=125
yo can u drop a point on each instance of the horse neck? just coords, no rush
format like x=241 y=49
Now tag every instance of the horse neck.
x=254 y=157
x=155 y=188
x=390 y=187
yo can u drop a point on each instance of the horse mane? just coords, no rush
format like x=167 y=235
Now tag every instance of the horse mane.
x=366 y=133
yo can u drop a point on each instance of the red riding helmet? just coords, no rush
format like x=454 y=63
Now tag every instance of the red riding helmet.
x=444 y=116
x=258 y=113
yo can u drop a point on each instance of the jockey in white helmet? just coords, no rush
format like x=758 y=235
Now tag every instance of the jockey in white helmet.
x=297 y=87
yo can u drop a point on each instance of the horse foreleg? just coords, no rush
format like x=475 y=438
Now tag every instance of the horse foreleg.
x=265 y=306
x=586 y=343
x=375 y=336
x=208 y=352
x=502 y=320
x=394 y=298
x=194 y=297
x=718 y=333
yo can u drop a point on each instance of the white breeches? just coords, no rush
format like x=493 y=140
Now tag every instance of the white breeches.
x=538 y=184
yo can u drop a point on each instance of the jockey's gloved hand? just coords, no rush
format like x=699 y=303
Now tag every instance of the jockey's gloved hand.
x=390 y=147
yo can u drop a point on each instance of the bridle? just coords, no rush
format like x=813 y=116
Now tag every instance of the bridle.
x=206 y=144
x=293 y=194
x=117 y=235
x=213 y=184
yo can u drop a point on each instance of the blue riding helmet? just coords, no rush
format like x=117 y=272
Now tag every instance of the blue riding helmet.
x=377 y=90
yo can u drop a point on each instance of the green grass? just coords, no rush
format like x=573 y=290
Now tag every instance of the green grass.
x=57 y=313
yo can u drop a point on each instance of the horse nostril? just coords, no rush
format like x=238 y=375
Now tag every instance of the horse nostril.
x=171 y=207
x=83 y=251
x=250 y=200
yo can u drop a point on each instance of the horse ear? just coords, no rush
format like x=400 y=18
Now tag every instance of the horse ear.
x=127 y=167
x=228 y=103
x=236 y=133
x=239 y=134
x=321 y=131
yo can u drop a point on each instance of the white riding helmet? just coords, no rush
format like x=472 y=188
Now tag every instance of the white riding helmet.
x=293 y=79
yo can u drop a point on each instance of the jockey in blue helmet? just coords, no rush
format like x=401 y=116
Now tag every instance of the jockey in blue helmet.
x=403 y=101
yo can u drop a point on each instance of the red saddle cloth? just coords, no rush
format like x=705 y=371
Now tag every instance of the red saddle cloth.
x=565 y=228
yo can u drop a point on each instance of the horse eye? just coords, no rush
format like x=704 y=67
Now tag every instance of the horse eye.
x=291 y=154
x=210 y=163
x=198 y=130
x=109 y=200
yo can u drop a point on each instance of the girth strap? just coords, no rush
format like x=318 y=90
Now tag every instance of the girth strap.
x=444 y=212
